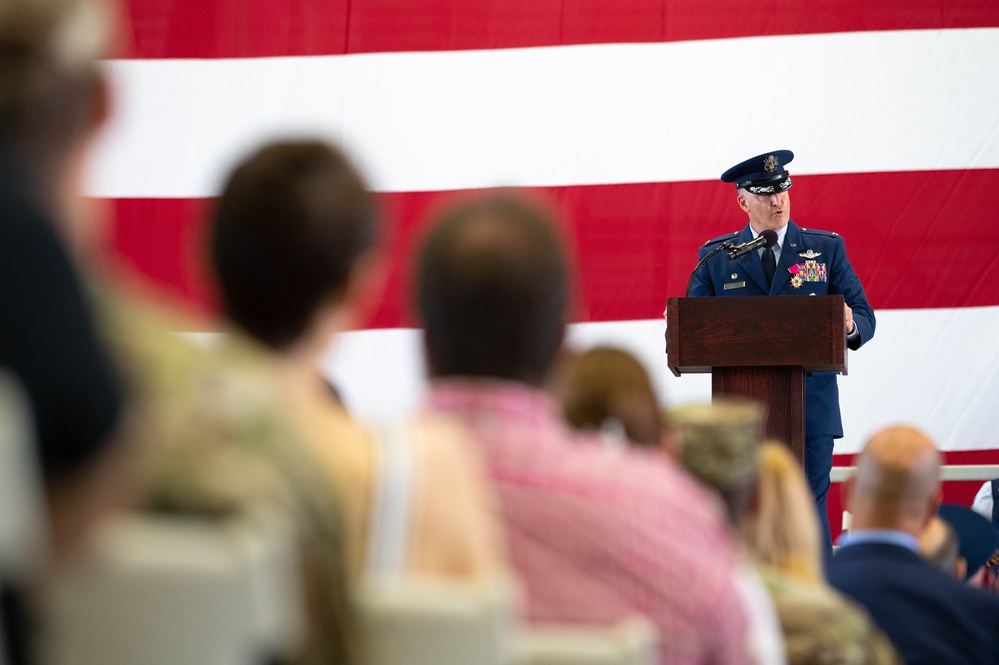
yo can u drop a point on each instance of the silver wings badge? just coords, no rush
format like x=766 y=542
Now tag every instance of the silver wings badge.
x=809 y=254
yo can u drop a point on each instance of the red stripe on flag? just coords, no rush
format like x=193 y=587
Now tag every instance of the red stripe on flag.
x=635 y=244
x=236 y=28
x=160 y=242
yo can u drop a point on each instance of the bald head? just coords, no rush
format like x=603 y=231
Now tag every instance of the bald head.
x=897 y=481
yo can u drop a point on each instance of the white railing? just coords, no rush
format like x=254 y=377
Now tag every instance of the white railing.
x=981 y=472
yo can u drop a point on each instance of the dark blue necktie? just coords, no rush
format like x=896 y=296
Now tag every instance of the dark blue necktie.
x=769 y=265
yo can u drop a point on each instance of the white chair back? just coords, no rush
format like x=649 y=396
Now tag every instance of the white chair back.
x=179 y=590
x=629 y=642
x=437 y=622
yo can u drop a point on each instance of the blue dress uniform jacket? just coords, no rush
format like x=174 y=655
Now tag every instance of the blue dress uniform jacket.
x=930 y=617
x=823 y=269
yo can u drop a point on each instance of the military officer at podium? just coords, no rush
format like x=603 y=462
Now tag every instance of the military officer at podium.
x=803 y=262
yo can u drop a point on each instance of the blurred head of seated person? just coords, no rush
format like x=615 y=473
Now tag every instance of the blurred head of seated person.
x=978 y=541
x=52 y=102
x=595 y=535
x=492 y=289
x=939 y=545
x=781 y=529
x=719 y=445
x=929 y=616
x=607 y=390
x=294 y=245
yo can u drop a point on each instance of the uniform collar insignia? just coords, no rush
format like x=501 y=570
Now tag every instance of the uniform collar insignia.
x=809 y=254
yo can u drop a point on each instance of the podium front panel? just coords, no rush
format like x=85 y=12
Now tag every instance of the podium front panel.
x=753 y=331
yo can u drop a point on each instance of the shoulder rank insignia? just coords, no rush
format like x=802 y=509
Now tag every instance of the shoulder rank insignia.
x=809 y=254
x=727 y=236
x=828 y=234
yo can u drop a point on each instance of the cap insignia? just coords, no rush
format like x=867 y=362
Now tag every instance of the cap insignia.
x=770 y=164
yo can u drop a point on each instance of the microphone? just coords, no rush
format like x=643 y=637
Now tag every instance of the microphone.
x=766 y=239
x=722 y=246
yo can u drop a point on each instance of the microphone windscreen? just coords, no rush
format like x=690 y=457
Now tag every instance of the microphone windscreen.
x=771 y=237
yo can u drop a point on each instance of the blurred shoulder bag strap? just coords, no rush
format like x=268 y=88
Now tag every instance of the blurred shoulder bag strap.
x=393 y=493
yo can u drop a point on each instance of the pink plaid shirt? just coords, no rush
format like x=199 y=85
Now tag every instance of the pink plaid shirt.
x=598 y=535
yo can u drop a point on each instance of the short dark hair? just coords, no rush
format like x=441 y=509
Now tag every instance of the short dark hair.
x=492 y=290
x=291 y=222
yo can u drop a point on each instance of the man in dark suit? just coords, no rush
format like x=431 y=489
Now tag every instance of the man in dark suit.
x=930 y=616
x=803 y=262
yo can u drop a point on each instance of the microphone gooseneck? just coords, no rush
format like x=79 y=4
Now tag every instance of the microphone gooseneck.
x=721 y=246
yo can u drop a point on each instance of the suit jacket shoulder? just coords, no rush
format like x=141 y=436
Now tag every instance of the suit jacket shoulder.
x=931 y=618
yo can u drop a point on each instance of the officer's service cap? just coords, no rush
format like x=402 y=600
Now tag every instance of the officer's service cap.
x=763 y=174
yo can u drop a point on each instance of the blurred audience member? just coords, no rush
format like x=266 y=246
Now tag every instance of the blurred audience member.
x=607 y=390
x=978 y=541
x=198 y=439
x=930 y=616
x=984 y=504
x=938 y=544
x=216 y=442
x=986 y=500
x=595 y=535
x=52 y=102
x=293 y=243
x=719 y=445
x=820 y=625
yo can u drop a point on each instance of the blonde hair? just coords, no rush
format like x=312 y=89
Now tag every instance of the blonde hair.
x=783 y=531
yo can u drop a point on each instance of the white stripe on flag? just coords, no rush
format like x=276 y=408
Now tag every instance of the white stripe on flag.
x=576 y=115
x=933 y=368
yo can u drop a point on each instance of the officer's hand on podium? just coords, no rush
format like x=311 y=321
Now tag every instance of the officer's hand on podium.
x=848 y=318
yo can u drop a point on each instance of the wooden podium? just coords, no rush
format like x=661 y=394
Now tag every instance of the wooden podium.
x=759 y=347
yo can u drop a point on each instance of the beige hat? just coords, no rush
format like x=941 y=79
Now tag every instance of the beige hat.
x=720 y=441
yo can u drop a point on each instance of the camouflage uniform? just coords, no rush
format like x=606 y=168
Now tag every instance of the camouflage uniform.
x=209 y=438
x=822 y=627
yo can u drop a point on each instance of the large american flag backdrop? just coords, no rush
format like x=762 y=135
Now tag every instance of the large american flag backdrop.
x=623 y=114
